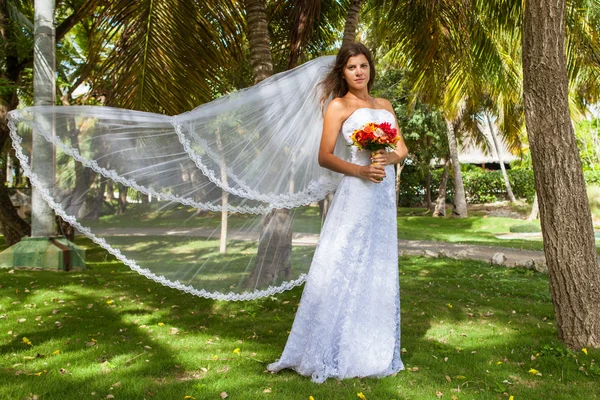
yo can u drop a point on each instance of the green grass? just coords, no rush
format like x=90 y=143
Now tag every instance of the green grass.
x=465 y=326
x=478 y=229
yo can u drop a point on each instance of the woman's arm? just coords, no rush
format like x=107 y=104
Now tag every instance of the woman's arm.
x=334 y=117
x=401 y=152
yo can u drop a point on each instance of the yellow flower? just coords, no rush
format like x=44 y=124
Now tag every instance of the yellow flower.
x=311 y=398
x=189 y=397
x=236 y=351
x=511 y=398
x=109 y=302
x=584 y=350
x=57 y=352
x=26 y=341
x=215 y=357
x=499 y=362
x=361 y=396
x=534 y=371
x=449 y=305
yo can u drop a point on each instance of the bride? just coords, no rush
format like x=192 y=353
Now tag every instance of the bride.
x=348 y=321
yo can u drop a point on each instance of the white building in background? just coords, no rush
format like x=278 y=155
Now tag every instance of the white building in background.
x=470 y=152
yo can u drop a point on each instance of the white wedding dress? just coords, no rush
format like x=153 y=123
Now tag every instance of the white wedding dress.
x=348 y=321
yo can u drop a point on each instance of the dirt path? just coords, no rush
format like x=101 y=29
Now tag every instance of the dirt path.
x=407 y=247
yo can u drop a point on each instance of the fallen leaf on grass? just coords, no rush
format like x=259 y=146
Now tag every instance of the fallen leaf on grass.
x=448 y=378
x=223 y=370
x=224 y=395
x=439 y=394
x=189 y=397
x=56 y=352
x=413 y=369
x=90 y=344
x=21 y=320
x=267 y=390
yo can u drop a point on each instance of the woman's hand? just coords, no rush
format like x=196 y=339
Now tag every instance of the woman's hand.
x=380 y=157
x=372 y=172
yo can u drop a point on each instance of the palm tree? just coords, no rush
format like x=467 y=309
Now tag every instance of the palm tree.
x=42 y=222
x=16 y=31
x=352 y=22
x=573 y=266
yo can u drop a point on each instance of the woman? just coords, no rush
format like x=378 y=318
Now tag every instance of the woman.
x=348 y=321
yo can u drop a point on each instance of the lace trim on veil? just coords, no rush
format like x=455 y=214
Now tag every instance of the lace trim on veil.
x=117 y=253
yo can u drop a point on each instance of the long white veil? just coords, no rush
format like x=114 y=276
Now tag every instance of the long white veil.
x=249 y=152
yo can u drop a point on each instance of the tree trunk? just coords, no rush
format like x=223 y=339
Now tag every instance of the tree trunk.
x=352 y=22
x=305 y=14
x=535 y=209
x=573 y=268
x=275 y=242
x=98 y=200
x=122 y=198
x=399 y=169
x=13 y=227
x=258 y=36
x=224 y=197
x=509 y=191
x=440 y=203
x=460 y=200
x=44 y=89
x=428 y=203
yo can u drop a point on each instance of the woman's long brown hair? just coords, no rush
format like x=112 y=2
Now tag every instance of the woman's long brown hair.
x=334 y=85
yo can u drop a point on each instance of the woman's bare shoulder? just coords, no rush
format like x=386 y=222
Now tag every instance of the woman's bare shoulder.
x=337 y=108
x=384 y=103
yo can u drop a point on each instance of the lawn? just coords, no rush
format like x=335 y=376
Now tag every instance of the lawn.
x=468 y=330
x=413 y=224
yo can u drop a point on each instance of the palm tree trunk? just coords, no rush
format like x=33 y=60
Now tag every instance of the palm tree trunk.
x=224 y=197
x=352 y=22
x=460 y=200
x=258 y=36
x=567 y=229
x=535 y=210
x=44 y=89
x=306 y=12
x=440 y=203
x=428 y=202
x=13 y=227
x=399 y=168
x=273 y=259
x=509 y=191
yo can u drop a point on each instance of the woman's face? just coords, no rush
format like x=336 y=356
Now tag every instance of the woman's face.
x=357 y=72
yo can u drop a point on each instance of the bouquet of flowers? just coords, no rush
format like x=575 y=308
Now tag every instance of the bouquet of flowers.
x=374 y=136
